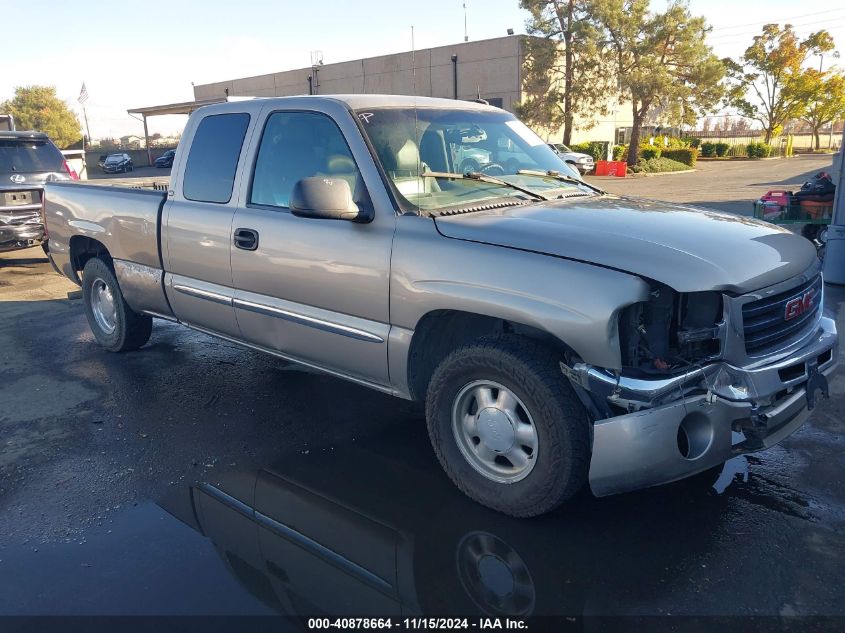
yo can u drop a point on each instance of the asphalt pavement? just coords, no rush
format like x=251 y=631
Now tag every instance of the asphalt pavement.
x=196 y=477
x=726 y=185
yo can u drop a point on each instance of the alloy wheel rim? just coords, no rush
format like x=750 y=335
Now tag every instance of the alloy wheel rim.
x=103 y=306
x=494 y=431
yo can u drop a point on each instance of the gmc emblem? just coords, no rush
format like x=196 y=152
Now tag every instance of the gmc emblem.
x=799 y=305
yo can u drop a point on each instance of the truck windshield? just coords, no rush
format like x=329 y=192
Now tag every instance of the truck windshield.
x=410 y=142
x=28 y=156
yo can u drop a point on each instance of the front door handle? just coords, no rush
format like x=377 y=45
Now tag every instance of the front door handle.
x=246 y=239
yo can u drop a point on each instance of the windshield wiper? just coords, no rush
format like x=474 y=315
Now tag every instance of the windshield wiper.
x=474 y=175
x=557 y=176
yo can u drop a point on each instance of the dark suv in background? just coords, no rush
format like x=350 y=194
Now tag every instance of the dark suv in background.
x=27 y=161
x=117 y=163
x=166 y=159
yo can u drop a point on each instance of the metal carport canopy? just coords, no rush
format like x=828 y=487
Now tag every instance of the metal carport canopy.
x=185 y=107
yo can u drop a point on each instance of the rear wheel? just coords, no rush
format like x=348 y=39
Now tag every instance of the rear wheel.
x=115 y=325
x=507 y=427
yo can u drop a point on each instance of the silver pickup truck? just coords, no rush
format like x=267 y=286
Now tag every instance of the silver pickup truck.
x=558 y=335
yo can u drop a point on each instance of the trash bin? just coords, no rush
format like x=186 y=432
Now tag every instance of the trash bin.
x=834 y=257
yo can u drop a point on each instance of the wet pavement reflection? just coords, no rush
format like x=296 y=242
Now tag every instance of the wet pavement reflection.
x=379 y=530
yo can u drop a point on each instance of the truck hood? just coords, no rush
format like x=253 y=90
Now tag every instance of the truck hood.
x=687 y=248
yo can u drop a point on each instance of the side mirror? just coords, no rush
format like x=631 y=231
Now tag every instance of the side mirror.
x=326 y=198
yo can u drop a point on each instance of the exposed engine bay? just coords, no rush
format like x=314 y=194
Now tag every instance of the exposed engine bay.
x=671 y=331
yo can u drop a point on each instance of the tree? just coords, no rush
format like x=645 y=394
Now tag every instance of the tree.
x=560 y=86
x=823 y=96
x=740 y=126
x=765 y=77
x=661 y=60
x=38 y=108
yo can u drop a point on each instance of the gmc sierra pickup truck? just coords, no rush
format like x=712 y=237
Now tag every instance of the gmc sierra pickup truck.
x=559 y=336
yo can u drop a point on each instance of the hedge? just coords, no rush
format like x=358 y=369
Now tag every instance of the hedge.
x=620 y=152
x=596 y=149
x=685 y=156
x=708 y=149
x=647 y=152
x=658 y=165
x=759 y=150
x=722 y=149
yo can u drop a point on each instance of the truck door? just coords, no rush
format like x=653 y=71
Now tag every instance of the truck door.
x=197 y=224
x=315 y=290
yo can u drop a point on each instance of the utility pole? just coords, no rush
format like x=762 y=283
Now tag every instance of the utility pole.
x=834 y=259
x=466 y=34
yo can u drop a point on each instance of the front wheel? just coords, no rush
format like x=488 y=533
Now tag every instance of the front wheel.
x=507 y=427
x=115 y=325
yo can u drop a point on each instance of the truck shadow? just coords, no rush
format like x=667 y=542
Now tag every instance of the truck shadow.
x=11 y=262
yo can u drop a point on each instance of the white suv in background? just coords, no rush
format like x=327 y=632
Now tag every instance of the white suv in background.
x=582 y=162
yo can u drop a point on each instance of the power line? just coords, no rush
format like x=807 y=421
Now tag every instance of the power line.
x=735 y=37
x=774 y=20
x=832 y=23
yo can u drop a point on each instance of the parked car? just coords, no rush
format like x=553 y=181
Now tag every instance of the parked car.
x=166 y=159
x=117 y=163
x=504 y=161
x=102 y=160
x=584 y=163
x=558 y=335
x=27 y=161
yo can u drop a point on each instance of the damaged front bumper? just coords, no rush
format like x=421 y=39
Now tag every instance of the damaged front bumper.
x=683 y=425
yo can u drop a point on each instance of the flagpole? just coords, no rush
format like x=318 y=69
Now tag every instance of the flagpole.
x=87 y=129
x=83 y=97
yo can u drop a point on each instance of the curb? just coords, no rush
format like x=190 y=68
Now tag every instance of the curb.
x=642 y=175
x=666 y=173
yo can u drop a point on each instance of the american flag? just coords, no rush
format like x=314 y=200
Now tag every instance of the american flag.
x=83 y=94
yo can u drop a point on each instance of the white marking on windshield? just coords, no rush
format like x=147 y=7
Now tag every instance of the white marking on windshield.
x=524 y=132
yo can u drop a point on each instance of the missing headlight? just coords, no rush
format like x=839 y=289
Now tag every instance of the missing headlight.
x=670 y=330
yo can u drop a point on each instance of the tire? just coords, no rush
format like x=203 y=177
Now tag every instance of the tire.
x=129 y=330
x=556 y=467
x=493 y=169
x=811 y=231
x=469 y=165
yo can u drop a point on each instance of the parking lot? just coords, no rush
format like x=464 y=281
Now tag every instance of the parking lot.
x=100 y=451
x=728 y=186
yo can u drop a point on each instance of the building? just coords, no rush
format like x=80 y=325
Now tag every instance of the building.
x=491 y=69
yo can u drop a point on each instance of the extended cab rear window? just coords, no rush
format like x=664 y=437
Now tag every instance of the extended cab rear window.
x=210 y=169
x=29 y=156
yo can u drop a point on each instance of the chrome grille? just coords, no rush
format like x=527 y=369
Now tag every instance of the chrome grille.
x=765 y=323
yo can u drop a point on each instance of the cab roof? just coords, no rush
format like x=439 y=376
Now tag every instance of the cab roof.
x=362 y=101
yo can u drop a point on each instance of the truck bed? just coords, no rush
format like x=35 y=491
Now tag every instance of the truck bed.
x=125 y=220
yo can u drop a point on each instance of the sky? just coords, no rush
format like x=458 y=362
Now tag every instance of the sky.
x=133 y=54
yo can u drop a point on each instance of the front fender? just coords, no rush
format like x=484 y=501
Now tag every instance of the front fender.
x=576 y=302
